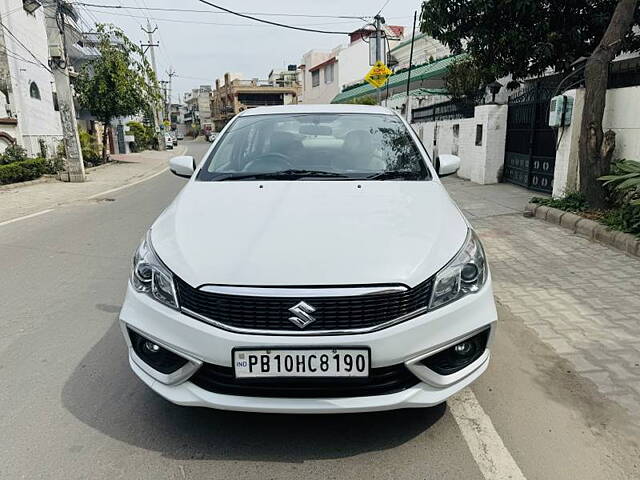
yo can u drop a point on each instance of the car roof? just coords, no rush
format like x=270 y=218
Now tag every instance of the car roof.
x=317 y=108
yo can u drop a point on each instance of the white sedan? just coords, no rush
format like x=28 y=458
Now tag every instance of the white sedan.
x=313 y=263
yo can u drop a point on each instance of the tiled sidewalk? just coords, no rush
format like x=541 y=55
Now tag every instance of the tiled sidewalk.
x=582 y=298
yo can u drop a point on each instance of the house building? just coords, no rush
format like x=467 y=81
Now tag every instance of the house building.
x=284 y=77
x=28 y=110
x=429 y=65
x=235 y=95
x=319 y=83
x=425 y=49
x=325 y=73
x=198 y=105
x=177 y=113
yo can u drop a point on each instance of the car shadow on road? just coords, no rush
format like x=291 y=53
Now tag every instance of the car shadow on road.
x=104 y=394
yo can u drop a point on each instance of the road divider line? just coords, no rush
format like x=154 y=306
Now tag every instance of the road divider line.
x=122 y=187
x=42 y=212
x=31 y=215
x=486 y=446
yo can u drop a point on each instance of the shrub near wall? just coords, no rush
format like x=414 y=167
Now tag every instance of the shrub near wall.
x=23 y=171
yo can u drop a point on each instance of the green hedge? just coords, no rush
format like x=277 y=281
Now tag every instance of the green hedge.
x=22 y=171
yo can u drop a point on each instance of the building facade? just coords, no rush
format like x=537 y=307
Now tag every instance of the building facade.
x=198 y=109
x=177 y=113
x=28 y=109
x=326 y=73
x=236 y=95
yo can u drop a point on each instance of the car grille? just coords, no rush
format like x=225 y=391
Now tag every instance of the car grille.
x=338 y=313
x=384 y=380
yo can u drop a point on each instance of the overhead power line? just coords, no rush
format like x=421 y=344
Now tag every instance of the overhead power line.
x=20 y=58
x=6 y=29
x=199 y=22
x=191 y=10
x=269 y=22
x=383 y=7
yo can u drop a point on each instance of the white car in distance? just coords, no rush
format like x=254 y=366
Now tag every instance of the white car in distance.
x=168 y=141
x=313 y=263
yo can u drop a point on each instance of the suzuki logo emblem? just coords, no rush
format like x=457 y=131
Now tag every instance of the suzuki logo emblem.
x=302 y=312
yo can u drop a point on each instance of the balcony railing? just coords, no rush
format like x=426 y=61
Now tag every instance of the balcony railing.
x=263 y=83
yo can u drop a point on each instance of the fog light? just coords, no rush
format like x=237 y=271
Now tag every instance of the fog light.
x=151 y=347
x=154 y=355
x=463 y=349
x=458 y=356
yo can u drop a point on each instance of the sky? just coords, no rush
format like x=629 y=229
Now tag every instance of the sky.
x=202 y=46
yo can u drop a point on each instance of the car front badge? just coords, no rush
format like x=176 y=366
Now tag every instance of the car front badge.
x=302 y=314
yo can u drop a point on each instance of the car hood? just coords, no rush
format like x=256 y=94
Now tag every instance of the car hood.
x=308 y=233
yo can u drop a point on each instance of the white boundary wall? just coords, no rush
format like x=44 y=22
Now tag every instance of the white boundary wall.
x=622 y=115
x=479 y=163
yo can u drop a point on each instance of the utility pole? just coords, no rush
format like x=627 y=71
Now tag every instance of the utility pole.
x=59 y=63
x=413 y=37
x=151 y=46
x=165 y=110
x=171 y=73
x=379 y=47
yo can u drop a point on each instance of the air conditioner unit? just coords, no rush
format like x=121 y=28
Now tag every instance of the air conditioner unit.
x=560 y=111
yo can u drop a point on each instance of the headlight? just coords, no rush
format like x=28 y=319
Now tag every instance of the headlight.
x=149 y=275
x=465 y=274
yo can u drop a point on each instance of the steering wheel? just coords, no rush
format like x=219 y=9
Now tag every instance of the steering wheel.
x=267 y=161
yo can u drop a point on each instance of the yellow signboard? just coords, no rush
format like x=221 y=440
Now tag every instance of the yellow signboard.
x=378 y=74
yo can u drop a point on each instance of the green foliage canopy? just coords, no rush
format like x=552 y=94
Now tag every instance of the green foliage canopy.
x=466 y=80
x=120 y=82
x=522 y=37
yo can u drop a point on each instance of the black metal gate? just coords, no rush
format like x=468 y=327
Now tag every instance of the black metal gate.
x=530 y=153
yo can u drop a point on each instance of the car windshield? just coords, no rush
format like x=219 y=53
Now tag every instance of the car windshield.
x=320 y=146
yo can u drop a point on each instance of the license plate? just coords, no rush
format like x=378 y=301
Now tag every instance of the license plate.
x=306 y=363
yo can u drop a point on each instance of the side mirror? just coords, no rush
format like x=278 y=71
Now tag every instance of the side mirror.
x=183 y=166
x=447 y=164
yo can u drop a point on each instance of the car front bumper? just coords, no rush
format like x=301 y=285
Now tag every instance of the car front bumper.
x=407 y=342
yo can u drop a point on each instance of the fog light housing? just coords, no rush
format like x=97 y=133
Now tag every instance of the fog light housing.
x=458 y=356
x=154 y=355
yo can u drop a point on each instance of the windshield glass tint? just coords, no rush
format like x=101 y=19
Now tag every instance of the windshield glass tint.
x=282 y=146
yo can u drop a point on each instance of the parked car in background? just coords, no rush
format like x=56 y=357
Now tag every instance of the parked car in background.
x=179 y=136
x=344 y=278
x=168 y=141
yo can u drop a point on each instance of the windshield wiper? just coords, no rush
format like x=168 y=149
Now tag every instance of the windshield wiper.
x=395 y=174
x=291 y=173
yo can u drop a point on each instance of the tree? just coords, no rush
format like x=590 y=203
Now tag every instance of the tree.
x=525 y=38
x=119 y=83
x=363 y=101
x=465 y=80
x=596 y=147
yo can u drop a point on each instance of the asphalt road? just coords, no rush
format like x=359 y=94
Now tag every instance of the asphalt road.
x=70 y=407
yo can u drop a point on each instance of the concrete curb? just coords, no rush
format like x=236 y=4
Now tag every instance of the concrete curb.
x=43 y=179
x=590 y=229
